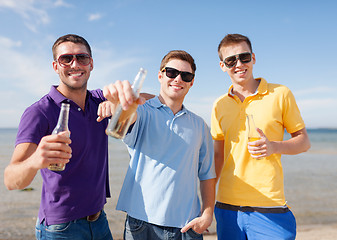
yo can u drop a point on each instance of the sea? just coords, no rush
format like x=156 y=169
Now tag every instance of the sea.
x=310 y=186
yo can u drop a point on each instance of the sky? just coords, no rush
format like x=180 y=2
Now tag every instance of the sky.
x=295 y=43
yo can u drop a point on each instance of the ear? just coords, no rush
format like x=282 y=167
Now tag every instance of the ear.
x=91 y=64
x=192 y=82
x=55 y=67
x=253 y=58
x=160 y=76
x=223 y=66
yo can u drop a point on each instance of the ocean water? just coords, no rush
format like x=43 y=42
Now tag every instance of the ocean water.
x=310 y=186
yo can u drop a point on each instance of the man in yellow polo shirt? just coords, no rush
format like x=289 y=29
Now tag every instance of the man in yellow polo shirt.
x=250 y=200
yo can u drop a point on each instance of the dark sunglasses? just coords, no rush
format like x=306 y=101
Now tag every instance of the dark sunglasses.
x=67 y=59
x=232 y=60
x=173 y=73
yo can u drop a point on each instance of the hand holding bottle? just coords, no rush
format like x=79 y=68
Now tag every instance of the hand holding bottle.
x=61 y=127
x=52 y=150
x=125 y=99
x=258 y=144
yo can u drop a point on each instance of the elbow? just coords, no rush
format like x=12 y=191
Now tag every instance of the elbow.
x=10 y=185
x=307 y=146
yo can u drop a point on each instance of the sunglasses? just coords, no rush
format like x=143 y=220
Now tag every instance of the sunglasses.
x=232 y=60
x=67 y=59
x=173 y=73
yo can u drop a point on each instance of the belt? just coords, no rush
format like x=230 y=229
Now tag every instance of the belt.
x=93 y=217
x=252 y=209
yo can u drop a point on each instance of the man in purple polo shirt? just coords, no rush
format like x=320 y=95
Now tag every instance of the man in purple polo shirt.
x=72 y=200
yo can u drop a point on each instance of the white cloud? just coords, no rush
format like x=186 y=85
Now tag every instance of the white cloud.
x=33 y=12
x=28 y=71
x=25 y=77
x=8 y=43
x=61 y=3
x=30 y=10
x=94 y=16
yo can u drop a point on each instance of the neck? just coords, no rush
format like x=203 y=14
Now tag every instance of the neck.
x=78 y=96
x=174 y=105
x=245 y=90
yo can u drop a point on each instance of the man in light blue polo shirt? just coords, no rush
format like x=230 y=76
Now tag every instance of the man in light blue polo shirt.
x=170 y=148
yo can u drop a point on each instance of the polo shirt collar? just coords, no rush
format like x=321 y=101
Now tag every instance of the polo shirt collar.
x=59 y=98
x=155 y=102
x=262 y=88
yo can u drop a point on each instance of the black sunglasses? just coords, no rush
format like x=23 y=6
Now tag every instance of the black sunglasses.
x=173 y=73
x=67 y=59
x=232 y=60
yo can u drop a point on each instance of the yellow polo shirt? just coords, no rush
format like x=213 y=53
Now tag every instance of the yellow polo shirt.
x=246 y=181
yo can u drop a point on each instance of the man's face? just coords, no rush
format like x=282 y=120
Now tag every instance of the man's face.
x=240 y=73
x=73 y=76
x=175 y=88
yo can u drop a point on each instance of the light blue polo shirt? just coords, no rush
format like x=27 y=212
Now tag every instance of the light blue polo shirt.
x=169 y=154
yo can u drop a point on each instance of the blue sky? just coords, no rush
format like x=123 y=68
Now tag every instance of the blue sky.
x=295 y=43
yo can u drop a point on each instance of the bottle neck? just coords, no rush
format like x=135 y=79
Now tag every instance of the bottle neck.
x=62 y=123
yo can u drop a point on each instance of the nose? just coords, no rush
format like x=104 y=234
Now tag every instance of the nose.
x=238 y=62
x=178 y=78
x=74 y=62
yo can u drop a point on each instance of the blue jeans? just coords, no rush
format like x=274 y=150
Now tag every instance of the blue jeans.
x=79 y=229
x=140 y=230
x=237 y=225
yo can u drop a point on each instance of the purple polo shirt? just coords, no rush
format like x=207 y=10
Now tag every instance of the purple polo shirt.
x=81 y=189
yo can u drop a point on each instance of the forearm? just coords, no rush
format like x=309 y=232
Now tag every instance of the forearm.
x=218 y=157
x=207 y=189
x=200 y=224
x=298 y=143
x=21 y=171
x=19 y=175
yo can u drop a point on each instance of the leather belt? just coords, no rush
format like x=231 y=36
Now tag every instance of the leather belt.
x=252 y=209
x=93 y=217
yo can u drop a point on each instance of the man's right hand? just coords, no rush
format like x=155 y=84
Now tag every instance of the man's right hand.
x=121 y=92
x=53 y=149
x=28 y=158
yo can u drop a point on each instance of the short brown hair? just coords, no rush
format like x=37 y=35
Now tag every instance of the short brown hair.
x=178 y=54
x=230 y=39
x=70 y=38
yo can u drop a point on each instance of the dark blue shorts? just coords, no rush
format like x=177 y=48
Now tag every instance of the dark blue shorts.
x=242 y=225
